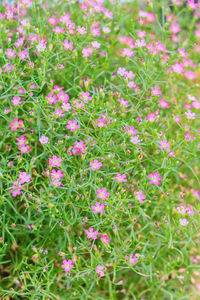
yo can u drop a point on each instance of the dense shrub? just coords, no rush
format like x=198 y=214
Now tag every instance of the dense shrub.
x=99 y=157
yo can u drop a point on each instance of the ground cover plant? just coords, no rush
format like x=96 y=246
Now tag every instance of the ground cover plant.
x=99 y=146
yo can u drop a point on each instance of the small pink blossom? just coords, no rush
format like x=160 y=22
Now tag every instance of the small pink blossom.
x=44 y=139
x=16 y=101
x=87 y=51
x=155 y=178
x=72 y=125
x=102 y=193
x=10 y=53
x=135 y=140
x=24 y=148
x=175 y=28
x=132 y=259
x=178 y=68
x=55 y=161
x=24 y=177
x=121 y=178
x=85 y=96
x=131 y=130
x=171 y=154
x=183 y=222
x=155 y=91
x=190 y=115
x=141 y=33
x=16 y=189
x=67 y=265
x=67 y=45
x=100 y=270
x=105 y=238
x=164 y=145
x=16 y=124
x=81 y=30
x=95 y=165
x=106 y=30
x=56 y=175
x=91 y=234
x=96 y=45
x=190 y=75
x=98 y=208
x=139 y=196
x=51 y=98
x=21 y=141
x=163 y=103
x=140 y=43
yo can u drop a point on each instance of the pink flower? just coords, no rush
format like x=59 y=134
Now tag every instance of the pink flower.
x=59 y=113
x=62 y=96
x=10 y=53
x=95 y=31
x=183 y=222
x=41 y=46
x=171 y=154
x=67 y=45
x=10 y=163
x=96 y=45
x=164 y=145
x=55 y=161
x=24 y=148
x=16 y=101
x=58 y=30
x=163 y=103
x=66 y=106
x=87 y=51
x=72 y=125
x=175 y=28
x=98 y=208
x=91 y=234
x=101 y=122
x=155 y=91
x=15 y=190
x=141 y=33
x=132 y=259
x=85 y=96
x=51 y=98
x=100 y=270
x=44 y=139
x=190 y=115
x=106 y=30
x=52 y=20
x=178 y=68
x=56 y=175
x=127 y=52
x=16 y=124
x=95 y=165
x=102 y=194
x=135 y=140
x=67 y=265
x=185 y=210
x=155 y=178
x=24 y=177
x=140 y=43
x=79 y=147
x=81 y=30
x=23 y=54
x=182 y=52
x=105 y=238
x=121 y=178
x=21 y=141
x=190 y=75
x=139 y=196
x=131 y=130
